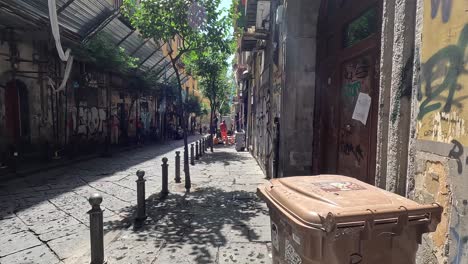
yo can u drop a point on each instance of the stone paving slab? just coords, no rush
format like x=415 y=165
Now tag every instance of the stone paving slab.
x=36 y=255
x=17 y=242
x=45 y=218
x=244 y=253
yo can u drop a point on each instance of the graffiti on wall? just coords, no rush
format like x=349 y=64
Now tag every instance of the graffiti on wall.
x=443 y=89
x=458 y=237
x=456 y=153
x=88 y=122
x=444 y=6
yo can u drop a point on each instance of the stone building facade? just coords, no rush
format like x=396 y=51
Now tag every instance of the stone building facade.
x=373 y=89
x=97 y=107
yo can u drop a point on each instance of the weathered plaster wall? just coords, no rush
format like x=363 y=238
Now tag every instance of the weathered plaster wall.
x=386 y=55
x=444 y=81
x=397 y=58
x=438 y=152
x=297 y=107
x=78 y=114
x=38 y=98
x=3 y=68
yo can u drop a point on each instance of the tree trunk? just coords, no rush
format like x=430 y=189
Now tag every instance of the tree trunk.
x=213 y=112
x=211 y=126
x=188 y=183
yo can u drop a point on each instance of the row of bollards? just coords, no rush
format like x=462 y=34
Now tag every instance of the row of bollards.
x=95 y=200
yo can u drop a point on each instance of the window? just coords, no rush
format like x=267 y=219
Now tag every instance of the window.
x=360 y=28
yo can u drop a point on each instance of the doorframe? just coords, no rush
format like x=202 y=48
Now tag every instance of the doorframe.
x=343 y=54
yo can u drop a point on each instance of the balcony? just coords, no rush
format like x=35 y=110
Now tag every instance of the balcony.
x=257 y=24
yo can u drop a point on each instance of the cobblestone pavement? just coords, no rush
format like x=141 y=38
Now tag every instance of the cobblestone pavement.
x=43 y=217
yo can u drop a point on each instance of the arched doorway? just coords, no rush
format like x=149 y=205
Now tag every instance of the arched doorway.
x=17 y=112
x=348 y=88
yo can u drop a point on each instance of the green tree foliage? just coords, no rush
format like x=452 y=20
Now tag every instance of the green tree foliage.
x=193 y=105
x=102 y=53
x=194 y=25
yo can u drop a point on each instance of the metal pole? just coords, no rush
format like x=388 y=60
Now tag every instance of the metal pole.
x=211 y=143
x=177 y=167
x=192 y=155
x=141 y=201
x=96 y=229
x=165 y=187
x=201 y=147
x=184 y=160
x=197 y=150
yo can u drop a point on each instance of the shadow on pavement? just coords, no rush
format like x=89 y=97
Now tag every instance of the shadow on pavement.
x=224 y=157
x=19 y=194
x=197 y=224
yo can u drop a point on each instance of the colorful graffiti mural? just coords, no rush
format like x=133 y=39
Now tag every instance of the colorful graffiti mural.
x=443 y=89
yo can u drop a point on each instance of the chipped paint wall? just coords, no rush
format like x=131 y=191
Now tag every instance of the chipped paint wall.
x=438 y=167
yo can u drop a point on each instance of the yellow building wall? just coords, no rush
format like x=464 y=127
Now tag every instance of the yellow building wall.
x=443 y=95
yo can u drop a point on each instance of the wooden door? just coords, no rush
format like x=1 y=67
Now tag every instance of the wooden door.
x=359 y=89
x=348 y=88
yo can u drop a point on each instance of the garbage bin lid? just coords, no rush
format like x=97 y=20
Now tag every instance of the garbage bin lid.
x=318 y=200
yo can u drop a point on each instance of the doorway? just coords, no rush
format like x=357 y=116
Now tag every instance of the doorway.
x=347 y=88
x=17 y=112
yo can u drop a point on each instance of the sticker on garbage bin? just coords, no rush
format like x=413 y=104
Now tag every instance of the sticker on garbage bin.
x=274 y=236
x=290 y=254
x=339 y=186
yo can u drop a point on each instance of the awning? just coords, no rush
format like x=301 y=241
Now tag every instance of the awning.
x=81 y=20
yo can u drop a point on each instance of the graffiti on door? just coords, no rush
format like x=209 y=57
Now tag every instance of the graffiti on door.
x=354 y=73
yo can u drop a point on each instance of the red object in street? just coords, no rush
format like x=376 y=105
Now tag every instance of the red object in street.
x=223 y=129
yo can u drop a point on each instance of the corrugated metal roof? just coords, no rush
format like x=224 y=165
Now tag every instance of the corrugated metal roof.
x=81 y=17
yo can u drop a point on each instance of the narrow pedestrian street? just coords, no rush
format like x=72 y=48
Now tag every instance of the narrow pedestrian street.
x=44 y=216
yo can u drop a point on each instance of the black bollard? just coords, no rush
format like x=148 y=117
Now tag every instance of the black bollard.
x=141 y=199
x=197 y=150
x=177 y=167
x=165 y=177
x=96 y=229
x=201 y=148
x=192 y=155
x=204 y=145
x=211 y=143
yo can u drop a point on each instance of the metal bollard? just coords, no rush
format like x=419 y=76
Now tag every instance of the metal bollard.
x=204 y=145
x=96 y=229
x=184 y=160
x=201 y=148
x=165 y=177
x=177 y=167
x=211 y=143
x=192 y=155
x=141 y=201
x=197 y=150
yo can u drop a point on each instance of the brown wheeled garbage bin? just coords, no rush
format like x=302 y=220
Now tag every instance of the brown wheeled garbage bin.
x=332 y=219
